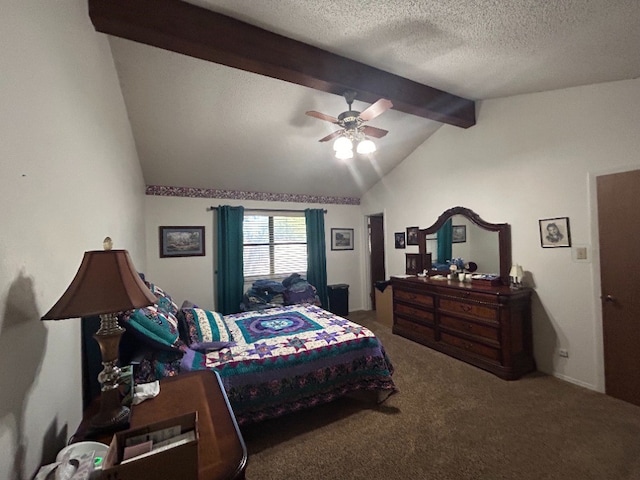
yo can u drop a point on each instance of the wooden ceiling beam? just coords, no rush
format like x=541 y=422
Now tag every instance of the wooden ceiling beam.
x=197 y=32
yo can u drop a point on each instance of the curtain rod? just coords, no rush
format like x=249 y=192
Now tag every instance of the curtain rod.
x=269 y=210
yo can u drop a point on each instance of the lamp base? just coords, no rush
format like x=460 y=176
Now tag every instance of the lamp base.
x=112 y=415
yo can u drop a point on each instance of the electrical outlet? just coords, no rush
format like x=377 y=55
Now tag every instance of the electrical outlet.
x=563 y=352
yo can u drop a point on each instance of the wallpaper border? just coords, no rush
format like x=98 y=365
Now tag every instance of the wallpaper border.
x=193 y=192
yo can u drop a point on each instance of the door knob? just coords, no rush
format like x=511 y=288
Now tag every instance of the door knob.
x=609 y=298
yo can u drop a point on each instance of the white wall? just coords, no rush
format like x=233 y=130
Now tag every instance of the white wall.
x=69 y=176
x=529 y=157
x=191 y=278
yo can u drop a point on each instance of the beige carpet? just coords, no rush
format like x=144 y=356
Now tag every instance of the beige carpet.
x=452 y=421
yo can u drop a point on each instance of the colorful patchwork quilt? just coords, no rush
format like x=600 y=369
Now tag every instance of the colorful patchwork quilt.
x=289 y=358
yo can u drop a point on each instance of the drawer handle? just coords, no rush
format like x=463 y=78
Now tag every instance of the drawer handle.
x=466 y=308
x=468 y=345
x=470 y=326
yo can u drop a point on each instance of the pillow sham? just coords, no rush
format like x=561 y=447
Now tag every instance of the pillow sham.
x=165 y=303
x=154 y=327
x=205 y=327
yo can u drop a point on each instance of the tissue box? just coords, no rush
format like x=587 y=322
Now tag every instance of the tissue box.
x=177 y=459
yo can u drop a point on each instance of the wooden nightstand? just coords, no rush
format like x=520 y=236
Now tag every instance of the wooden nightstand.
x=222 y=454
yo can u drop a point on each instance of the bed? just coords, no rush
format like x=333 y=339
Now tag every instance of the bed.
x=271 y=362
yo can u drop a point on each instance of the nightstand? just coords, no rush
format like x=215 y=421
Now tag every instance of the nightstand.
x=222 y=454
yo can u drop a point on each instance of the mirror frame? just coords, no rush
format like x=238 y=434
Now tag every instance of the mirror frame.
x=503 y=229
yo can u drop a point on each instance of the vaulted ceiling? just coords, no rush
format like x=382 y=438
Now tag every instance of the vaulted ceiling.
x=217 y=90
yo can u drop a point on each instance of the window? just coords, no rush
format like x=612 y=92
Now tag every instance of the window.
x=274 y=246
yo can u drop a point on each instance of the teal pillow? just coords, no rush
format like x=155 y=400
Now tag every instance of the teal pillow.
x=165 y=303
x=154 y=327
x=204 y=326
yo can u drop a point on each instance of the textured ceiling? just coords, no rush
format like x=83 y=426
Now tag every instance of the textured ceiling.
x=199 y=124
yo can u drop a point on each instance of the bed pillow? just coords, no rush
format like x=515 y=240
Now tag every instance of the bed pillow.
x=165 y=303
x=154 y=327
x=204 y=327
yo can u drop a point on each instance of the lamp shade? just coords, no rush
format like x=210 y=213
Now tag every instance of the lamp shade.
x=516 y=272
x=106 y=282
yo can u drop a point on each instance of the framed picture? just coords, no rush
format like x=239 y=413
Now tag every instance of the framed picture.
x=413 y=263
x=554 y=232
x=181 y=242
x=400 y=242
x=342 y=239
x=412 y=235
x=459 y=234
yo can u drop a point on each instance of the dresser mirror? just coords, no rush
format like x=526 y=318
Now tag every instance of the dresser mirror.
x=473 y=239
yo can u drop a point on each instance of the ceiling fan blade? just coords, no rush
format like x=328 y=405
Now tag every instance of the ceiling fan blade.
x=376 y=109
x=374 y=132
x=322 y=116
x=335 y=134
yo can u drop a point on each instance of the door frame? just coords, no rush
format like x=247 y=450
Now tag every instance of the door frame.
x=366 y=271
x=595 y=269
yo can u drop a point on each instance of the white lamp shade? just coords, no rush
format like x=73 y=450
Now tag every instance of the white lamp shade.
x=344 y=154
x=342 y=143
x=516 y=272
x=365 y=147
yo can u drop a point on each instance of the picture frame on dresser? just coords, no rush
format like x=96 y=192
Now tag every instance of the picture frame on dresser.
x=413 y=263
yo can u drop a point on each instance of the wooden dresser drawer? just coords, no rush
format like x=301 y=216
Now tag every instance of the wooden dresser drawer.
x=469 y=328
x=412 y=297
x=414 y=312
x=485 y=312
x=414 y=330
x=473 y=347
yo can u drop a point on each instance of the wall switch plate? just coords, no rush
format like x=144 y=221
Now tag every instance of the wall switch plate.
x=581 y=253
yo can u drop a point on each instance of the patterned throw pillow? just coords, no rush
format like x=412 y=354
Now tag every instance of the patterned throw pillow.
x=205 y=327
x=153 y=327
x=165 y=303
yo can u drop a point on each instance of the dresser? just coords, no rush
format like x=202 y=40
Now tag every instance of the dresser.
x=486 y=326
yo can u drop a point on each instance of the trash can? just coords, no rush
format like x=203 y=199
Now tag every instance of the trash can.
x=384 y=303
x=338 y=299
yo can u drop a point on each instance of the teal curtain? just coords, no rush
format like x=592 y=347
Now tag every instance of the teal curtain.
x=445 y=236
x=316 y=253
x=230 y=279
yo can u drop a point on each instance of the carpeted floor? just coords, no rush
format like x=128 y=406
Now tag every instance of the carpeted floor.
x=451 y=421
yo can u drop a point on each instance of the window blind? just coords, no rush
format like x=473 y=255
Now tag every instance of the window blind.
x=274 y=246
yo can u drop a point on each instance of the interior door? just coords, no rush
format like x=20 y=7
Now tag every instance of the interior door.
x=376 y=254
x=619 y=231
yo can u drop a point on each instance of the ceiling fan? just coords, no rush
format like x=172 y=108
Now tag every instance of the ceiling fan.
x=353 y=127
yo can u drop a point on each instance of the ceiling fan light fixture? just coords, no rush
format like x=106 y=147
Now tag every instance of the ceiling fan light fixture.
x=344 y=154
x=342 y=143
x=365 y=147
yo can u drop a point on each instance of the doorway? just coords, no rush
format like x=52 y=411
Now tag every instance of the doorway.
x=376 y=254
x=619 y=230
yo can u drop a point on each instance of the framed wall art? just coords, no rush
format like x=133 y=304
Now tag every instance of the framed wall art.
x=342 y=239
x=399 y=238
x=554 y=232
x=412 y=235
x=459 y=234
x=181 y=242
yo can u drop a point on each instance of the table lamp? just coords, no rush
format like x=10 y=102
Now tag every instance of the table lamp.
x=516 y=273
x=106 y=284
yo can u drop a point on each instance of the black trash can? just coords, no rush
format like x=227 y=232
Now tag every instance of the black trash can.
x=338 y=299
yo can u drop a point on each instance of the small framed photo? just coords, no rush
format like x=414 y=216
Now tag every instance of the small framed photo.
x=413 y=263
x=412 y=235
x=400 y=242
x=342 y=239
x=554 y=232
x=459 y=234
x=182 y=242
